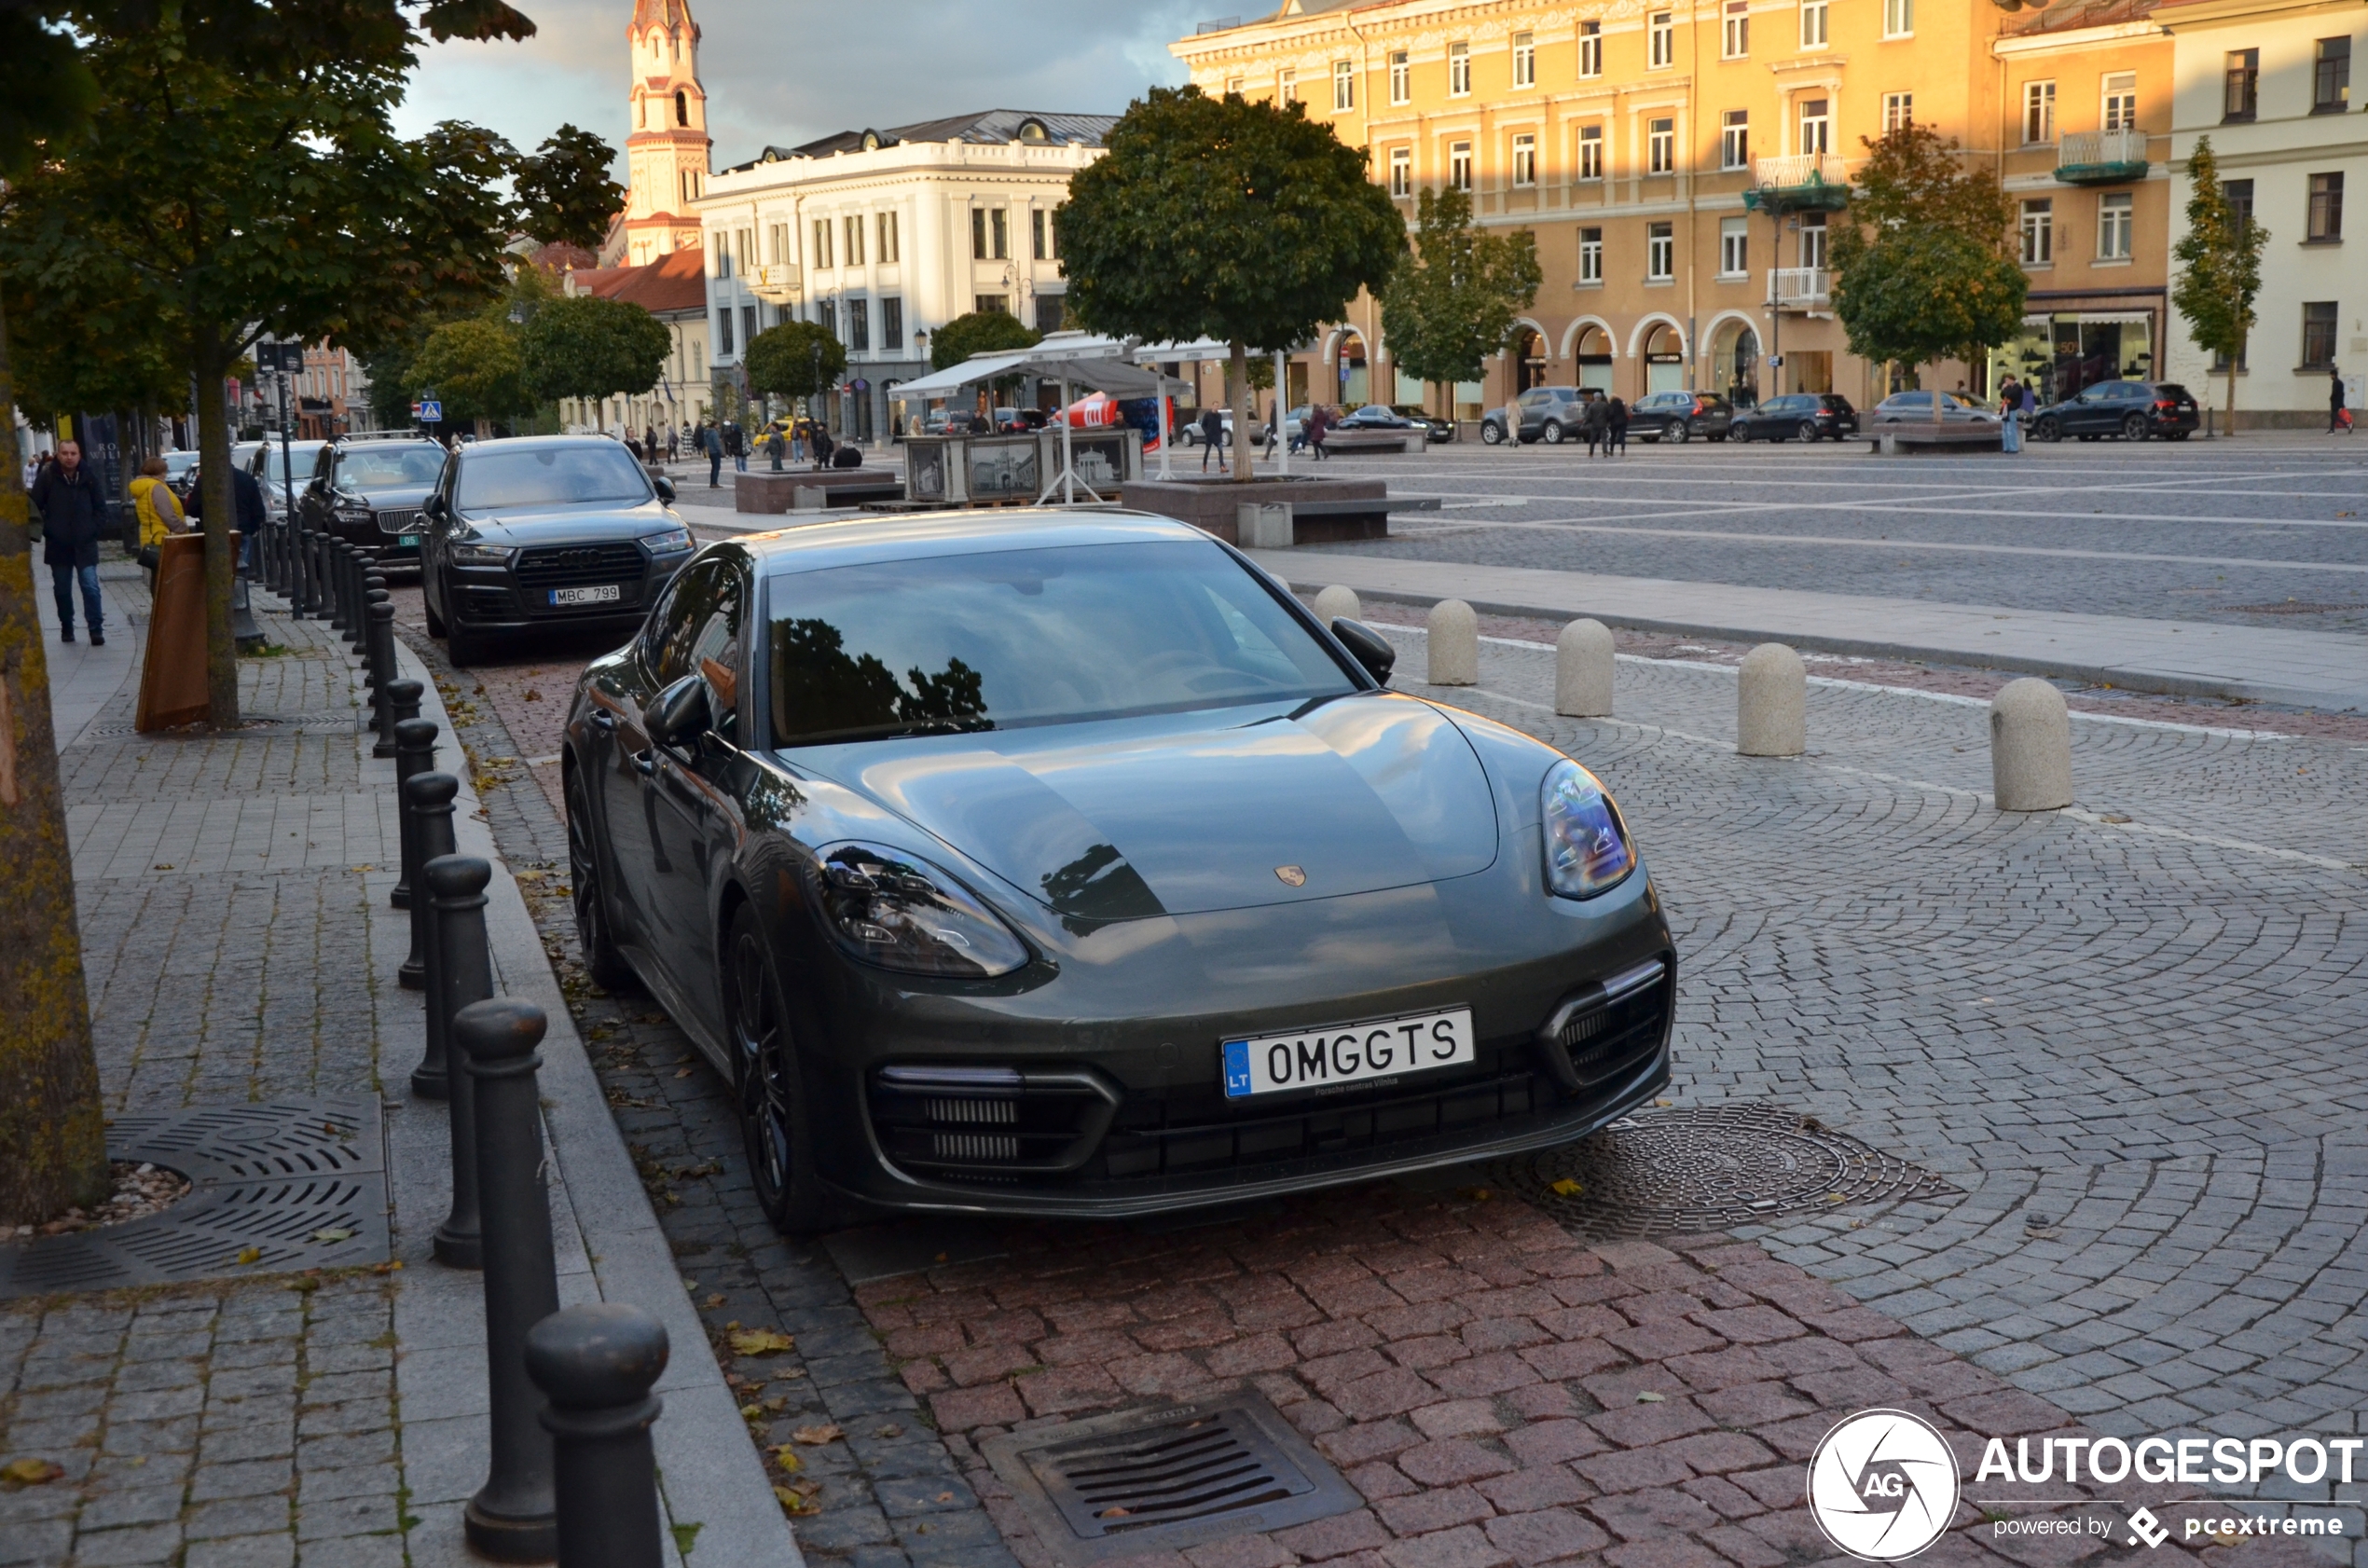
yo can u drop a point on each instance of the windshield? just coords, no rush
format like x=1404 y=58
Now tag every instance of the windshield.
x=301 y=456
x=383 y=468
x=595 y=473
x=1031 y=637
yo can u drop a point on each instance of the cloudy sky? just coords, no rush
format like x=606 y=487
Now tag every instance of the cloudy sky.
x=785 y=71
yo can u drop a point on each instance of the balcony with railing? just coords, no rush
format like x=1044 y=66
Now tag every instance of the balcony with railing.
x=1799 y=182
x=1798 y=288
x=2100 y=158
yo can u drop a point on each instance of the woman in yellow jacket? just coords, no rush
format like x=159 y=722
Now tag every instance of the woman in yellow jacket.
x=158 y=511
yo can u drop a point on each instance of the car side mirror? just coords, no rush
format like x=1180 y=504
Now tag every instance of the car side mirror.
x=679 y=714
x=1369 y=647
x=434 y=507
x=665 y=487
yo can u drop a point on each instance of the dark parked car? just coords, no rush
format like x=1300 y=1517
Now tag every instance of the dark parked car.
x=2132 y=410
x=1440 y=429
x=928 y=830
x=1549 y=414
x=546 y=533
x=1906 y=407
x=368 y=491
x=1680 y=417
x=1381 y=416
x=1797 y=417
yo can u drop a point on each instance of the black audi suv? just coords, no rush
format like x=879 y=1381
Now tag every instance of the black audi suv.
x=545 y=533
x=367 y=490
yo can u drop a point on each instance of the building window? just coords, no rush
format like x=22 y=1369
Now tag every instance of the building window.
x=1590 y=49
x=855 y=240
x=1735 y=139
x=1734 y=247
x=2239 y=193
x=724 y=332
x=776 y=242
x=1040 y=234
x=821 y=257
x=1288 y=87
x=1459 y=165
x=1899 y=111
x=1899 y=19
x=2114 y=221
x=2330 y=76
x=2039 y=112
x=1590 y=152
x=2120 y=110
x=1813 y=24
x=859 y=326
x=1459 y=70
x=2038 y=231
x=1051 y=312
x=2326 y=207
x=1660 y=40
x=1401 y=78
x=992 y=304
x=826 y=316
x=748 y=323
x=889 y=249
x=1525 y=160
x=990 y=234
x=1735 y=30
x=2318 y=334
x=1661 y=146
x=1525 y=60
x=1812 y=240
x=1402 y=171
x=1344 y=86
x=2242 y=95
x=681 y=107
x=1233 y=87
x=1660 y=252
x=1590 y=256
x=1816 y=126
x=892 y=324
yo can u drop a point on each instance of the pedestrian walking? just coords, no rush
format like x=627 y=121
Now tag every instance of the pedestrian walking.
x=736 y=444
x=798 y=440
x=712 y=443
x=822 y=444
x=1599 y=426
x=1617 y=429
x=1274 y=423
x=73 y=514
x=2010 y=416
x=1212 y=439
x=2338 y=416
x=1511 y=415
x=673 y=445
x=158 y=511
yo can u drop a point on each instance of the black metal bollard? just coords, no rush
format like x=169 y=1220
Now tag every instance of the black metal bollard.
x=367 y=582
x=427 y=800
x=382 y=668
x=333 y=555
x=512 y=1518
x=405 y=695
x=299 y=570
x=462 y=973
x=266 y=553
x=316 y=571
x=414 y=753
x=596 y=1365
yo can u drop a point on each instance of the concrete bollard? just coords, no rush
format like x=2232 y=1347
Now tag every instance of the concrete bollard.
x=596 y=1365
x=427 y=805
x=462 y=973
x=1258 y=525
x=1454 y=642
x=381 y=650
x=2030 y=746
x=1337 y=603
x=1771 y=703
x=810 y=498
x=414 y=753
x=512 y=1517
x=1583 y=670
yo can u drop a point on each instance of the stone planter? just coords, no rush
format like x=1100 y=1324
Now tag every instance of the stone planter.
x=765 y=491
x=1324 y=511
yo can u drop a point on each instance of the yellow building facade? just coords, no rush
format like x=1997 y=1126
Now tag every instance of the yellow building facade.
x=1680 y=166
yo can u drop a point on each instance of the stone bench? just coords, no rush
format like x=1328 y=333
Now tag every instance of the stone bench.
x=1323 y=511
x=1338 y=440
x=1910 y=438
x=768 y=492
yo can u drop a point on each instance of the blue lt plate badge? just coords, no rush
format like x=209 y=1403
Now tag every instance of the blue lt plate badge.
x=1237 y=1068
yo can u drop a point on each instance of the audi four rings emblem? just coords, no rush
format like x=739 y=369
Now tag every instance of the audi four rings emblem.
x=1882 y=1485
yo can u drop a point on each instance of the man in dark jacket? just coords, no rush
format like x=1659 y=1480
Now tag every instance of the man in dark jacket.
x=73 y=514
x=246 y=512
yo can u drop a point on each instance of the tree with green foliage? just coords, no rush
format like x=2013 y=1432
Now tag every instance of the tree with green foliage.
x=564 y=193
x=782 y=361
x=1925 y=270
x=1453 y=304
x=980 y=332
x=1221 y=218
x=2219 y=268
x=476 y=370
x=593 y=348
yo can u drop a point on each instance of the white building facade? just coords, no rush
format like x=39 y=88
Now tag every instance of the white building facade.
x=2269 y=82
x=884 y=236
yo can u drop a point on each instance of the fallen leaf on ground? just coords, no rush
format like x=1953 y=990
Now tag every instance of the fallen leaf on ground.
x=30 y=1472
x=792 y=1502
x=948 y=1497
x=1478 y=1194
x=1652 y=1399
x=333 y=1233
x=715 y=1301
x=761 y=1341
x=786 y=1457
x=829 y=1433
x=892 y=1430
x=684 y=1073
x=1566 y=1187
x=249 y=1255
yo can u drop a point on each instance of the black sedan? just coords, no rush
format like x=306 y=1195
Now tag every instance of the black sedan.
x=368 y=493
x=1680 y=417
x=1037 y=863
x=554 y=533
x=1797 y=417
x=2132 y=410
x=1381 y=416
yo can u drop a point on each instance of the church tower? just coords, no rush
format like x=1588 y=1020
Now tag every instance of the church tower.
x=667 y=151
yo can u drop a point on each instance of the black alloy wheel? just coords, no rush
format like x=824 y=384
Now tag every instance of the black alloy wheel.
x=601 y=960
x=773 y=1123
x=1807 y=433
x=2133 y=428
x=2047 y=430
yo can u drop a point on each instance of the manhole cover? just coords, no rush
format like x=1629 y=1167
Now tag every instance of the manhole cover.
x=1168 y=1478
x=284 y=1185
x=1675 y=1171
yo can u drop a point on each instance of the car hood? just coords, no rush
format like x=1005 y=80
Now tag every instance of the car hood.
x=573 y=525
x=407 y=495
x=1184 y=814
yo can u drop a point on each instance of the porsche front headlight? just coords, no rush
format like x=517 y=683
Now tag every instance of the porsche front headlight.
x=891 y=909
x=1587 y=846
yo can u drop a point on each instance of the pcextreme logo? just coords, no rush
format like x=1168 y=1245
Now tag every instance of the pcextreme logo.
x=1882 y=1485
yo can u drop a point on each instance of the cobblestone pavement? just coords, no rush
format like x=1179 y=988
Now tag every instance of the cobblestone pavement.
x=2270 y=532
x=2120 y=1031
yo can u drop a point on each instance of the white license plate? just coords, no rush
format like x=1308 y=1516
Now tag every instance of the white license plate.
x=606 y=593
x=407 y=541
x=1347 y=1053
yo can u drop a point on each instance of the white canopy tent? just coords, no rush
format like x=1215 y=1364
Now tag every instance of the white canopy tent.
x=1070 y=358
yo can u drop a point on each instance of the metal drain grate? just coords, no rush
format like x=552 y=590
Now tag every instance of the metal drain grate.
x=276 y=1177
x=260 y=726
x=1683 y=1170
x=1166 y=1479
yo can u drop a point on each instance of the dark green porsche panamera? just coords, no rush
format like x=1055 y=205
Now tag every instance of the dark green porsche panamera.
x=1029 y=862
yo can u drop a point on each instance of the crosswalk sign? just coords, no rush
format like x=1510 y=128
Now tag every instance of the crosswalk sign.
x=428 y=413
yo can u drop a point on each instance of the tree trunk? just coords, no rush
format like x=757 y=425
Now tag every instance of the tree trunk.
x=2233 y=360
x=53 y=1149
x=221 y=518
x=1239 y=393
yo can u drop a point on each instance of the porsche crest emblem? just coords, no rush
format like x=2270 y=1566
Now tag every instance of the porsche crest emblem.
x=1292 y=877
